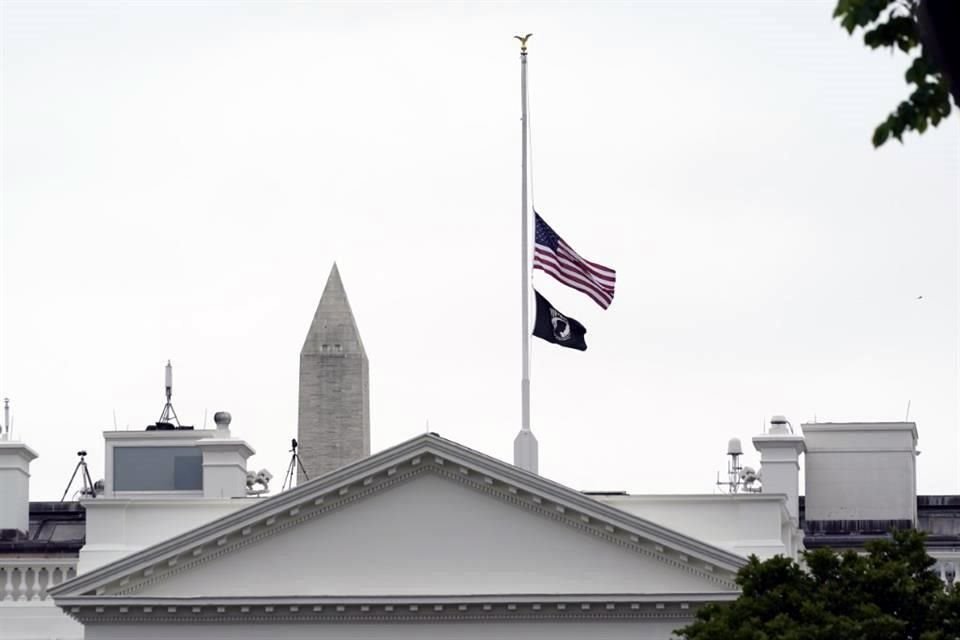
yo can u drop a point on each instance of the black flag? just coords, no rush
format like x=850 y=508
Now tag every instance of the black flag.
x=557 y=328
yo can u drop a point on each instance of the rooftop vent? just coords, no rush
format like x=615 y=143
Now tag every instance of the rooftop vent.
x=779 y=425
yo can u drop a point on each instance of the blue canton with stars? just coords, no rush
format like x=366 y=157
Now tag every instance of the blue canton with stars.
x=544 y=235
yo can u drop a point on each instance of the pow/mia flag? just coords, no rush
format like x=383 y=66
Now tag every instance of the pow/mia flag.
x=557 y=328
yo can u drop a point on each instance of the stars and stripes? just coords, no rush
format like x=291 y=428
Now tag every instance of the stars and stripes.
x=554 y=256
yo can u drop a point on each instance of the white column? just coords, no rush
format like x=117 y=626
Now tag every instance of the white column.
x=22 y=589
x=8 y=583
x=35 y=591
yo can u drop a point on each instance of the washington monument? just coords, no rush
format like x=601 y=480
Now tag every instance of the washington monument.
x=334 y=417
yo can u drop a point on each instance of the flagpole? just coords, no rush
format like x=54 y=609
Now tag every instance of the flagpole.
x=525 y=447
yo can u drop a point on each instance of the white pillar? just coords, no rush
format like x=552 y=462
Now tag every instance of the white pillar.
x=224 y=467
x=780 y=451
x=15 y=458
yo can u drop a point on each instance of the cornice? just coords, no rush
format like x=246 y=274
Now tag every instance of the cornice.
x=385 y=609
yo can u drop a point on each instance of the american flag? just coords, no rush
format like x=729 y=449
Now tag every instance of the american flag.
x=556 y=257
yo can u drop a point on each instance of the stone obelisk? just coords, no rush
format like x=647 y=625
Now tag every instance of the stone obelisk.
x=334 y=417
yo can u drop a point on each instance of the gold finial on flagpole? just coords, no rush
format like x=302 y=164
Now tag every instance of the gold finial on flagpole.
x=523 y=42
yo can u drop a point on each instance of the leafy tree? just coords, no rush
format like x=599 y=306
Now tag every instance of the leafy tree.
x=895 y=24
x=889 y=593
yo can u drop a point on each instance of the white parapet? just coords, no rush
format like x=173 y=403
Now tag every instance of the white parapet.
x=26 y=579
x=743 y=523
x=117 y=527
x=26 y=612
x=861 y=471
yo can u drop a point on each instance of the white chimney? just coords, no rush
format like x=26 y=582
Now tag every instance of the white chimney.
x=15 y=458
x=780 y=451
x=224 y=461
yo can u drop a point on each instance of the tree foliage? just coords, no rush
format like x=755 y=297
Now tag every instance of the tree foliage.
x=894 y=24
x=890 y=593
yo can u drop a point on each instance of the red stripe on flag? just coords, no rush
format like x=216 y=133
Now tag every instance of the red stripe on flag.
x=598 y=270
x=565 y=262
x=576 y=278
x=601 y=299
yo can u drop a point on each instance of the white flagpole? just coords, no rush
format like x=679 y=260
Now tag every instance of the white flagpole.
x=525 y=449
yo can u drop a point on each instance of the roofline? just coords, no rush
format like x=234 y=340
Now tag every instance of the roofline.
x=678 y=497
x=888 y=424
x=824 y=427
x=594 y=507
x=381 y=462
x=134 y=601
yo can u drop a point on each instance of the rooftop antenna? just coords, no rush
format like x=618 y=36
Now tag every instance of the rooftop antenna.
x=169 y=415
x=739 y=478
x=907 y=417
x=293 y=466
x=734 y=451
x=6 y=419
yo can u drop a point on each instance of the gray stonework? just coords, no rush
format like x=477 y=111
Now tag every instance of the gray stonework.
x=334 y=416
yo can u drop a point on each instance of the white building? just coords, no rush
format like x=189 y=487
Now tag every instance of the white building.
x=427 y=539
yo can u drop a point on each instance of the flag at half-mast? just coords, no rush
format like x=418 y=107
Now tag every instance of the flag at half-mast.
x=554 y=256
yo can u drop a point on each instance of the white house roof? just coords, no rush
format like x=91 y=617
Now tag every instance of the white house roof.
x=185 y=575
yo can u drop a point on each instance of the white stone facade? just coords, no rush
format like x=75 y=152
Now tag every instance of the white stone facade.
x=424 y=538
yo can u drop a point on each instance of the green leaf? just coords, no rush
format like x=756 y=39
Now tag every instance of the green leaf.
x=918 y=71
x=889 y=593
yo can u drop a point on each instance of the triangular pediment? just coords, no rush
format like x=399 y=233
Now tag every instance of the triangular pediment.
x=426 y=517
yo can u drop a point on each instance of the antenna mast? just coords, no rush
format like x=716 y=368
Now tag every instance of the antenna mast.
x=6 y=419
x=739 y=478
x=169 y=415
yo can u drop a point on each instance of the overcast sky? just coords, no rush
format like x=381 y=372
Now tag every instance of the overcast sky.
x=178 y=178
